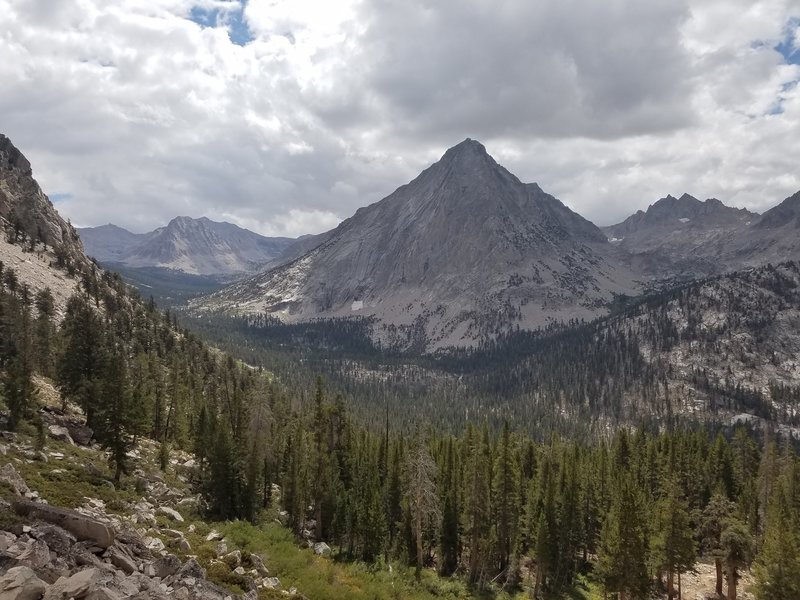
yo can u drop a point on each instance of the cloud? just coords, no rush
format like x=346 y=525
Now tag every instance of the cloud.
x=287 y=115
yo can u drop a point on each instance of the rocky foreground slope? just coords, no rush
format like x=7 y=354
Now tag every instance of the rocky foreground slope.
x=150 y=546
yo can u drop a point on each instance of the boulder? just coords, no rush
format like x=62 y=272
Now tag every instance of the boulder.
x=166 y=566
x=185 y=546
x=233 y=559
x=271 y=583
x=119 y=557
x=35 y=555
x=6 y=539
x=77 y=586
x=173 y=533
x=322 y=549
x=258 y=565
x=214 y=536
x=171 y=513
x=9 y=475
x=154 y=544
x=81 y=526
x=21 y=583
x=103 y=593
x=57 y=539
x=80 y=434
x=181 y=593
x=221 y=549
x=193 y=569
x=57 y=432
x=134 y=544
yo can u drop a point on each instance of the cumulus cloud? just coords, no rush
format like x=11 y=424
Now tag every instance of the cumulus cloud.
x=285 y=116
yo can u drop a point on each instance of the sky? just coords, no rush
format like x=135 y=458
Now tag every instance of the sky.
x=285 y=116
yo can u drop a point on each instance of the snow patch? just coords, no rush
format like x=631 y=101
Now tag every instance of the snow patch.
x=684 y=219
x=613 y=239
x=357 y=305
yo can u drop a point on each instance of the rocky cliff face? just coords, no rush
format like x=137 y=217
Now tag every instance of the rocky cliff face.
x=194 y=246
x=41 y=248
x=27 y=214
x=463 y=250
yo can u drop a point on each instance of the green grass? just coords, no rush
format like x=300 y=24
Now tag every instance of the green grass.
x=324 y=579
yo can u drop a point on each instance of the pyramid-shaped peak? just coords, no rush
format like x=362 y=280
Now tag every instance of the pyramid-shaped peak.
x=469 y=149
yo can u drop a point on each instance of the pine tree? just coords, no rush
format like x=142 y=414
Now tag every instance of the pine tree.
x=672 y=545
x=506 y=498
x=712 y=522
x=449 y=537
x=81 y=363
x=477 y=502
x=115 y=417
x=44 y=332
x=16 y=360
x=622 y=555
x=420 y=480
x=777 y=567
x=737 y=551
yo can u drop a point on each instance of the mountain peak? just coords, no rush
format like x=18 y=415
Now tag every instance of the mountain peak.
x=467 y=150
x=11 y=157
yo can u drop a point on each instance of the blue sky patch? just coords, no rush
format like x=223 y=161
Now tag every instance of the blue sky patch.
x=56 y=198
x=232 y=19
x=787 y=47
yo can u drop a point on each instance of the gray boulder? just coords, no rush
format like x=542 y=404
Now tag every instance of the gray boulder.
x=171 y=513
x=258 y=565
x=192 y=568
x=6 y=539
x=81 y=526
x=57 y=539
x=121 y=558
x=9 y=475
x=79 y=585
x=166 y=566
x=21 y=583
x=35 y=555
x=322 y=549
x=57 y=432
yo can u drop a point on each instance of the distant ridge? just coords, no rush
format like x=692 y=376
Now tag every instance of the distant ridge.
x=193 y=246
